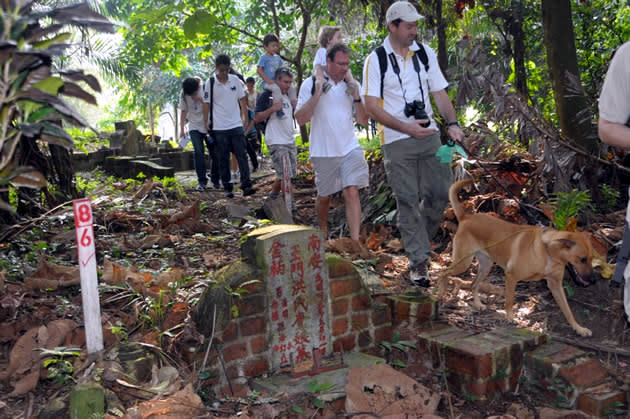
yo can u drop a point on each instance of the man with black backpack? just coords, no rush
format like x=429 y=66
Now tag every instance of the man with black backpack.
x=397 y=79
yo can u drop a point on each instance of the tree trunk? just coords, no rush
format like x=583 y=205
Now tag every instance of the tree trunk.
x=518 y=36
x=441 y=34
x=571 y=104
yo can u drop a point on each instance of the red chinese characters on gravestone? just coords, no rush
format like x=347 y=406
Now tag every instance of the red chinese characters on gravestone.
x=300 y=304
x=279 y=304
x=316 y=262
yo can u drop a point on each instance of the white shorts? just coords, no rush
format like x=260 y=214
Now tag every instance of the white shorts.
x=333 y=174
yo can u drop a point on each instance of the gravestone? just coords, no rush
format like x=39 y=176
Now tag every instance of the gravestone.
x=296 y=281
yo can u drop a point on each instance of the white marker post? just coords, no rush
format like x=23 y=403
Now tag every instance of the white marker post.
x=287 y=182
x=87 y=270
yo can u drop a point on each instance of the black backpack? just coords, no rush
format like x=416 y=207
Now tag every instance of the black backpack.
x=382 y=61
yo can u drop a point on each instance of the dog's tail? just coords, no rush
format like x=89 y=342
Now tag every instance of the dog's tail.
x=452 y=196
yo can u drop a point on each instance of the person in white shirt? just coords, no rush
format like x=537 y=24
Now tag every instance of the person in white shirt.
x=335 y=153
x=614 y=129
x=399 y=100
x=191 y=107
x=279 y=135
x=225 y=109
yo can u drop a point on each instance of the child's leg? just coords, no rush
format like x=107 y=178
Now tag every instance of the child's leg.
x=277 y=97
x=292 y=96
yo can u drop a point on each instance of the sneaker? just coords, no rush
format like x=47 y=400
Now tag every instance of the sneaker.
x=200 y=188
x=326 y=87
x=419 y=277
x=274 y=195
x=234 y=177
x=249 y=191
x=216 y=185
x=229 y=194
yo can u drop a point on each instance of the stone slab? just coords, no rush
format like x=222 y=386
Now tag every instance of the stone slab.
x=286 y=384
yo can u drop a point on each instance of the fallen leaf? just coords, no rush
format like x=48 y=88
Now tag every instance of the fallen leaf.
x=64 y=276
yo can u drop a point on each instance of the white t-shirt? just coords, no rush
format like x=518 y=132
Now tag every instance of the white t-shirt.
x=393 y=100
x=278 y=130
x=614 y=101
x=194 y=111
x=320 y=58
x=226 y=108
x=332 y=126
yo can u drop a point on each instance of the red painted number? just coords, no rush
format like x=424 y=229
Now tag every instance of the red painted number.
x=86 y=239
x=84 y=213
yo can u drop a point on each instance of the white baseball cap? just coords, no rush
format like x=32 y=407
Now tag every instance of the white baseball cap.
x=402 y=10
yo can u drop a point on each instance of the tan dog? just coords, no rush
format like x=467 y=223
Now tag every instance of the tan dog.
x=526 y=253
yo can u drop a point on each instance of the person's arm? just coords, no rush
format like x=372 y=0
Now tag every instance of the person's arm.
x=206 y=113
x=614 y=134
x=305 y=112
x=263 y=115
x=243 y=104
x=262 y=75
x=361 y=114
x=447 y=110
x=182 y=123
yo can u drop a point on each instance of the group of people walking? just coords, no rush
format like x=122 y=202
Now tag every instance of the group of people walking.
x=397 y=80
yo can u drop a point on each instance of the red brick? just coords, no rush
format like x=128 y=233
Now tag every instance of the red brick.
x=435 y=338
x=600 y=404
x=255 y=326
x=381 y=314
x=258 y=344
x=339 y=306
x=230 y=332
x=256 y=367
x=401 y=311
x=382 y=334
x=340 y=326
x=360 y=302
x=584 y=374
x=360 y=322
x=364 y=339
x=426 y=310
x=341 y=287
x=252 y=304
x=541 y=360
x=346 y=342
x=338 y=267
x=234 y=351
x=469 y=357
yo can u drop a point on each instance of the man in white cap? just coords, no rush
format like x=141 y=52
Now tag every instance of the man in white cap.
x=397 y=79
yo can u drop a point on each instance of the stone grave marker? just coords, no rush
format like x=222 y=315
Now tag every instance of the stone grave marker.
x=296 y=280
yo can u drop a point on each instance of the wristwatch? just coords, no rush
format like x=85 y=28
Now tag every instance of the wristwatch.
x=356 y=100
x=450 y=124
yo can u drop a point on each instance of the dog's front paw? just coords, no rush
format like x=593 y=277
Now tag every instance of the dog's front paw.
x=583 y=331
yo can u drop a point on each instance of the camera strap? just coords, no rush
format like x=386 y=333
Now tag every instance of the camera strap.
x=396 y=68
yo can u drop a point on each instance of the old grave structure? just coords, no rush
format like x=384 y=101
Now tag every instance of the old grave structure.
x=308 y=315
x=131 y=152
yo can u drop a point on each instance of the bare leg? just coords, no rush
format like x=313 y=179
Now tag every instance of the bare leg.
x=323 y=203
x=353 y=210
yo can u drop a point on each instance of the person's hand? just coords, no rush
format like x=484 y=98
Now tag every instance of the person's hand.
x=455 y=133
x=415 y=129
x=276 y=106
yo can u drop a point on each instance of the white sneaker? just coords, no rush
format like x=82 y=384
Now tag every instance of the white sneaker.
x=235 y=177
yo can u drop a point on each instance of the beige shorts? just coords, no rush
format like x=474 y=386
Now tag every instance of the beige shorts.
x=277 y=153
x=333 y=174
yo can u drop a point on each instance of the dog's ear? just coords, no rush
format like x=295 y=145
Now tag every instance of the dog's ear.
x=560 y=244
x=566 y=243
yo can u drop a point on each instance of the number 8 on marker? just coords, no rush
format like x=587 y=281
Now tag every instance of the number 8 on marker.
x=82 y=213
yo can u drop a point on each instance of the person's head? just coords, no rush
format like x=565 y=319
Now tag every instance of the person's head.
x=190 y=85
x=337 y=61
x=402 y=22
x=222 y=64
x=271 y=44
x=250 y=82
x=284 y=78
x=329 y=36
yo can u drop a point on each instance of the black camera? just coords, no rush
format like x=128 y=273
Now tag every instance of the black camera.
x=416 y=109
